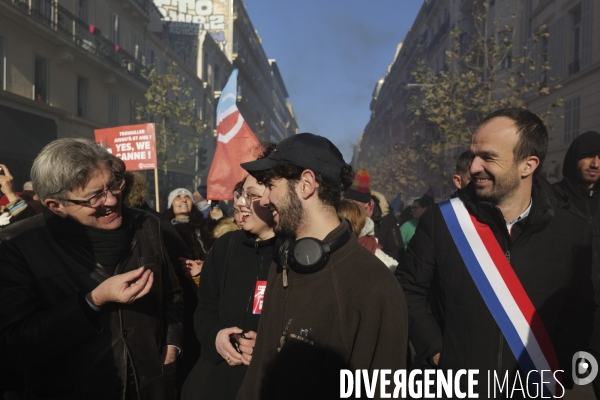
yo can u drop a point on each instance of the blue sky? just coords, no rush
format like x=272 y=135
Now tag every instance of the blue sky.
x=331 y=54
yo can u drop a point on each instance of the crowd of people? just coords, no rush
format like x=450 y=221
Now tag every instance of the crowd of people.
x=102 y=297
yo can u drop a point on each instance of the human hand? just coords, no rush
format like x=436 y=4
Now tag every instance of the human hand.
x=7 y=184
x=225 y=348
x=247 y=346
x=122 y=288
x=436 y=359
x=191 y=267
x=169 y=354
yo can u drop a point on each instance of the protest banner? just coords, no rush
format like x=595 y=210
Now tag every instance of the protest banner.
x=134 y=144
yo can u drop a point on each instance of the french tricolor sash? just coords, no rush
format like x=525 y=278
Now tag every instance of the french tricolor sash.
x=503 y=293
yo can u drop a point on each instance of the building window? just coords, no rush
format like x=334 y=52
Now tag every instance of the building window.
x=114 y=28
x=40 y=79
x=572 y=107
x=82 y=96
x=544 y=59
x=113 y=109
x=209 y=76
x=132 y=113
x=217 y=77
x=2 y=63
x=575 y=60
x=205 y=67
x=83 y=10
x=152 y=59
x=135 y=45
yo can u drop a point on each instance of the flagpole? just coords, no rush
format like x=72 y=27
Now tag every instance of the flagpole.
x=156 y=189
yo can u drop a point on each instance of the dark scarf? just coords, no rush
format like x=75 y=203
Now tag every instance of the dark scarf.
x=105 y=246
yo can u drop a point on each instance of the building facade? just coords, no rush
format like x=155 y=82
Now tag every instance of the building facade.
x=68 y=67
x=573 y=51
x=262 y=96
x=571 y=48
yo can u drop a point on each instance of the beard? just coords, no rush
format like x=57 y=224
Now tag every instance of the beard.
x=290 y=213
x=503 y=186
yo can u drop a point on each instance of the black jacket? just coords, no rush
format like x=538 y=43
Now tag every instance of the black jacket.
x=550 y=254
x=351 y=314
x=585 y=203
x=48 y=330
x=387 y=232
x=226 y=295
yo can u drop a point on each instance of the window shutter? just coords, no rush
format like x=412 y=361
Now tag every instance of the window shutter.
x=586 y=33
x=556 y=47
x=532 y=56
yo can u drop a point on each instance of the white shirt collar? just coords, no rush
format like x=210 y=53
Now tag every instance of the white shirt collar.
x=525 y=213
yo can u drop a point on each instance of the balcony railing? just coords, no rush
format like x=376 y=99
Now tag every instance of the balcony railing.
x=144 y=5
x=88 y=37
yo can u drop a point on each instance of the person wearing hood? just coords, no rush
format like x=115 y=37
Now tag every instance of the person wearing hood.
x=581 y=183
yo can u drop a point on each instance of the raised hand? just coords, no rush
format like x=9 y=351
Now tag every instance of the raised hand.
x=122 y=288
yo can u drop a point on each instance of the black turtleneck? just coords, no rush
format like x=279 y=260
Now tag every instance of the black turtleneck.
x=105 y=246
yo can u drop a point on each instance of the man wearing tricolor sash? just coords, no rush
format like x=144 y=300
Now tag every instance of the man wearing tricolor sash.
x=507 y=266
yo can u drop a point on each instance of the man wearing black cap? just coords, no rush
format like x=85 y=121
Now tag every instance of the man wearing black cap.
x=581 y=182
x=330 y=304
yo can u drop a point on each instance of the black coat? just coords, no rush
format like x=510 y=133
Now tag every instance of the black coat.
x=585 y=204
x=226 y=294
x=550 y=254
x=48 y=330
x=176 y=248
x=387 y=232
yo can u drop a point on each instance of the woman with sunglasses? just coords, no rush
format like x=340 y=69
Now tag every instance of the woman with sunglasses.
x=234 y=278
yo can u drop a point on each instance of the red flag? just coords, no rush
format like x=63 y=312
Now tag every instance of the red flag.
x=236 y=144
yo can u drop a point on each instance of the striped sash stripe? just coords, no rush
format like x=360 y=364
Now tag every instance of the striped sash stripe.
x=503 y=293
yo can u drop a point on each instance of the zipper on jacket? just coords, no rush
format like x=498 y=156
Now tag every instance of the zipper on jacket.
x=262 y=256
x=499 y=366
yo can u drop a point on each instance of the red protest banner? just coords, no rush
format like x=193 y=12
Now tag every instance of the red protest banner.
x=134 y=144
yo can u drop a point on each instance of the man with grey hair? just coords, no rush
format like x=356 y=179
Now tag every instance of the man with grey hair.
x=90 y=306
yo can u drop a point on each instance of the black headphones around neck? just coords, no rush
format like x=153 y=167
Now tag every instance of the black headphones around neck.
x=307 y=254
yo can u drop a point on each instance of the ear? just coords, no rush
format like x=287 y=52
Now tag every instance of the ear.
x=529 y=165
x=307 y=184
x=56 y=207
x=371 y=208
x=456 y=180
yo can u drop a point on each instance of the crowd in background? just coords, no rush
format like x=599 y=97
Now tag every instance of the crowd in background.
x=213 y=268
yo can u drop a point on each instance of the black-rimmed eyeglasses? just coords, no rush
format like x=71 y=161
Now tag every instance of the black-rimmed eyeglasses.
x=100 y=198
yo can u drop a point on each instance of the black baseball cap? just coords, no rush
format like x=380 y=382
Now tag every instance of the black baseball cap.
x=305 y=150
